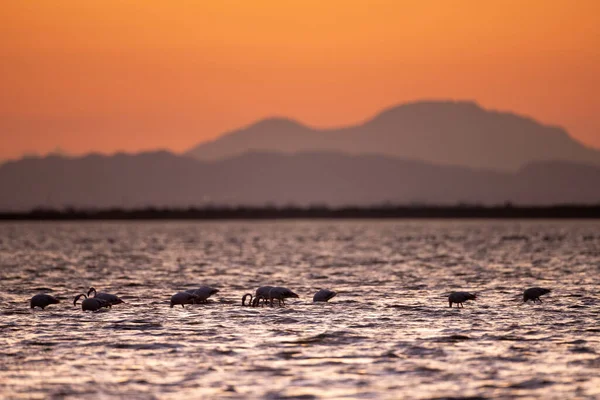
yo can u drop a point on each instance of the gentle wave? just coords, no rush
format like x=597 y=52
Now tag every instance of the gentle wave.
x=389 y=332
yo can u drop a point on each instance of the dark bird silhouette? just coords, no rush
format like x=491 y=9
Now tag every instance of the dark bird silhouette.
x=280 y=294
x=203 y=293
x=263 y=291
x=324 y=295
x=262 y=294
x=111 y=298
x=244 y=297
x=460 y=297
x=253 y=303
x=91 y=303
x=43 y=300
x=183 y=298
x=534 y=294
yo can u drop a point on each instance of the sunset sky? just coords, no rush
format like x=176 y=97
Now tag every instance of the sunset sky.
x=130 y=75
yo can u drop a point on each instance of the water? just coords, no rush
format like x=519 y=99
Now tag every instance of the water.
x=388 y=334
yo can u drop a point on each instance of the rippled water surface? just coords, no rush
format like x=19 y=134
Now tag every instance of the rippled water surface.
x=388 y=334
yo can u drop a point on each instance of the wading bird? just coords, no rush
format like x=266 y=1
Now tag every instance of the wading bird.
x=183 y=298
x=262 y=294
x=203 y=293
x=534 y=294
x=91 y=303
x=43 y=300
x=111 y=298
x=263 y=291
x=324 y=295
x=460 y=297
x=255 y=302
x=280 y=293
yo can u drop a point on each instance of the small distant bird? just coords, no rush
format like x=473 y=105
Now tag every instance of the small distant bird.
x=263 y=291
x=262 y=294
x=43 y=300
x=460 y=297
x=255 y=302
x=534 y=294
x=91 y=303
x=324 y=295
x=203 y=293
x=183 y=298
x=111 y=298
x=280 y=294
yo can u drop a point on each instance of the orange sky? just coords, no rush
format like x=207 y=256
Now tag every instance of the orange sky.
x=135 y=75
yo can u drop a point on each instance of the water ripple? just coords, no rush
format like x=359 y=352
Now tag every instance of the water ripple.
x=388 y=334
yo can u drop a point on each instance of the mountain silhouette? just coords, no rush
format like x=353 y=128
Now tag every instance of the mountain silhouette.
x=439 y=132
x=163 y=179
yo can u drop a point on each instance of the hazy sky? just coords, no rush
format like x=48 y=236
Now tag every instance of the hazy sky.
x=108 y=75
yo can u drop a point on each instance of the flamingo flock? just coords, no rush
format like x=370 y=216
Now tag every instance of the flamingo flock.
x=264 y=295
x=532 y=294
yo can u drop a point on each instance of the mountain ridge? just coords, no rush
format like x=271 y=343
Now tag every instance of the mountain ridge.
x=440 y=132
x=164 y=179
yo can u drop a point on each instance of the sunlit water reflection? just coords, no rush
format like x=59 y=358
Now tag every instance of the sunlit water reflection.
x=388 y=334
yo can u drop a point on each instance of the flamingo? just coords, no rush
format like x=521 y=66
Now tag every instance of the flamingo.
x=460 y=297
x=43 y=300
x=324 y=295
x=534 y=294
x=255 y=302
x=203 y=293
x=262 y=293
x=280 y=293
x=183 y=298
x=111 y=298
x=91 y=303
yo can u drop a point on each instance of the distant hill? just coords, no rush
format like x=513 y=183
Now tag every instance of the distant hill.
x=259 y=178
x=439 y=132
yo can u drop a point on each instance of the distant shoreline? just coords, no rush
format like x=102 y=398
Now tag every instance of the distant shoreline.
x=316 y=212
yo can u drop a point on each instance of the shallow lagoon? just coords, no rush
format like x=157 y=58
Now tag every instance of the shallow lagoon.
x=388 y=334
